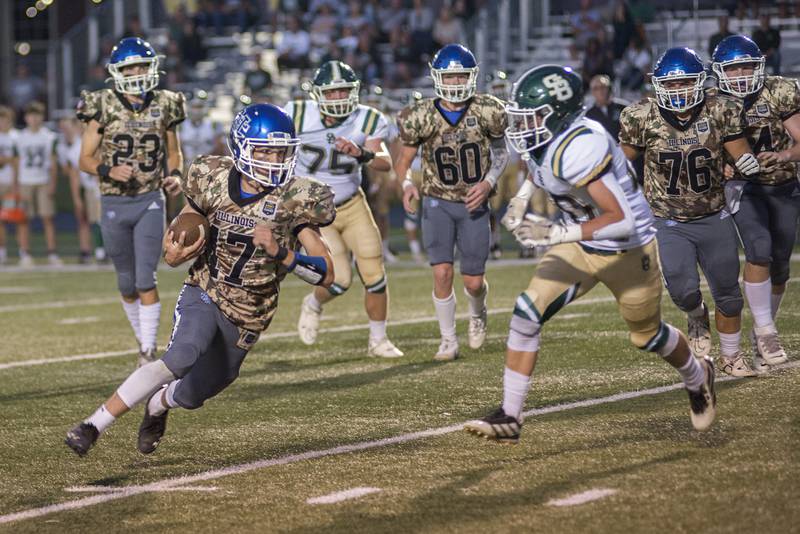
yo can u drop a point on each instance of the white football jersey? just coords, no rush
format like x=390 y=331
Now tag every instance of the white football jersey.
x=7 y=149
x=575 y=158
x=317 y=156
x=197 y=139
x=36 y=151
x=70 y=154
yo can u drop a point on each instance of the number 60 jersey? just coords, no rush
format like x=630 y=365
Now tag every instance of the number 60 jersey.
x=455 y=155
x=133 y=137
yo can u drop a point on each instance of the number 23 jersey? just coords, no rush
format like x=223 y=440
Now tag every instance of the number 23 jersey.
x=454 y=156
x=238 y=276
x=130 y=137
x=576 y=158
x=318 y=156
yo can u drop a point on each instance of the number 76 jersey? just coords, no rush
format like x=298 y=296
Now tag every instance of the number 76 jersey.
x=133 y=137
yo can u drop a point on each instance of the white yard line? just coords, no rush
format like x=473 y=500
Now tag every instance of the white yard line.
x=292 y=333
x=580 y=498
x=112 y=489
x=79 y=320
x=59 y=304
x=130 y=491
x=19 y=290
x=340 y=496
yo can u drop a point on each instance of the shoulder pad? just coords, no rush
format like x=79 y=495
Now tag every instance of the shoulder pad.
x=580 y=156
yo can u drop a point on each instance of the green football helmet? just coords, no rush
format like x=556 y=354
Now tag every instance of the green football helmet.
x=335 y=75
x=544 y=102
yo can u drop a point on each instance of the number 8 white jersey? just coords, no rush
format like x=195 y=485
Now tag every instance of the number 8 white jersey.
x=317 y=155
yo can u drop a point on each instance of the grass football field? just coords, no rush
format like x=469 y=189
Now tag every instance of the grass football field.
x=325 y=439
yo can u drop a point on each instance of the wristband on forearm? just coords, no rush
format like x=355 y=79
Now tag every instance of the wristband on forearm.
x=311 y=269
x=103 y=170
x=366 y=156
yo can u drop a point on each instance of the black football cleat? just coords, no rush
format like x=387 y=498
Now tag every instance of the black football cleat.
x=81 y=438
x=151 y=431
x=704 y=401
x=496 y=426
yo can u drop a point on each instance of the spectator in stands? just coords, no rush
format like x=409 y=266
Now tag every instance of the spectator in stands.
x=586 y=24
x=323 y=26
x=97 y=78
x=447 y=28
x=390 y=17
x=176 y=23
x=624 y=27
x=420 y=24
x=192 y=48
x=404 y=61
x=356 y=18
x=721 y=34
x=210 y=15
x=636 y=62
x=348 y=42
x=365 y=60
x=245 y=15
x=294 y=46
x=597 y=59
x=24 y=88
x=133 y=28
x=768 y=40
x=605 y=110
x=258 y=80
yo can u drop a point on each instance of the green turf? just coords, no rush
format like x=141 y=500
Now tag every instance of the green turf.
x=742 y=476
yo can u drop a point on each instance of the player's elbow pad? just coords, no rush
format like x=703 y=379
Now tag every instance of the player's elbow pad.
x=311 y=269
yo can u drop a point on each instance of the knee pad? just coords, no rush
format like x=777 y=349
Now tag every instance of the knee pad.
x=779 y=272
x=524 y=329
x=758 y=251
x=126 y=283
x=372 y=274
x=686 y=298
x=337 y=289
x=143 y=382
x=731 y=304
x=662 y=342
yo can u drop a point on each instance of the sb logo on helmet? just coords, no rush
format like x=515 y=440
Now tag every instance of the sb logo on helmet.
x=558 y=86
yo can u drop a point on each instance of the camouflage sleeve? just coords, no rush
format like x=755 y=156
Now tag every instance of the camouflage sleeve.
x=315 y=206
x=732 y=121
x=90 y=106
x=582 y=157
x=496 y=120
x=790 y=98
x=176 y=111
x=409 y=125
x=631 y=131
x=195 y=183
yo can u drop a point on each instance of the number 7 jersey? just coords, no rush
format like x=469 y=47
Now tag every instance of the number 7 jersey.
x=454 y=156
x=318 y=156
x=131 y=137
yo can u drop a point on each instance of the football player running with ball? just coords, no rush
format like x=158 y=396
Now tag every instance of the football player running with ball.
x=768 y=203
x=130 y=137
x=685 y=135
x=607 y=237
x=463 y=155
x=259 y=213
x=338 y=136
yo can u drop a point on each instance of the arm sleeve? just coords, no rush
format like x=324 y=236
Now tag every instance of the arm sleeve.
x=409 y=126
x=630 y=131
x=733 y=120
x=790 y=103
x=495 y=116
x=195 y=182
x=315 y=207
x=90 y=107
x=582 y=157
x=176 y=110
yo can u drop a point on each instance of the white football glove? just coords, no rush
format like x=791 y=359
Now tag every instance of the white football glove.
x=515 y=211
x=537 y=231
x=748 y=165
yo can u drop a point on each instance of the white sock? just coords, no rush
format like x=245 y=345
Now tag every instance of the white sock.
x=377 y=330
x=416 y=250
x=149 y=317
x=101 y=419
x=515 y=391
x=477 y=304
x=775 y=303
x=314 y=303
x=758 y=298
x=155 y=405
x=170 y=395
x=446 y=313
x=132 y=311
x=693 y=374
x=729 y=343
x=698 y=312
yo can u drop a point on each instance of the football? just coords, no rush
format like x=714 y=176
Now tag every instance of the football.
x=189 y=223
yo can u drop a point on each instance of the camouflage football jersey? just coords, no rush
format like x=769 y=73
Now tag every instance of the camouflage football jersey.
x=778 y=100
x=318 y=156
x=237 y=275
x=683 y=162
x=454 y=156
x=136 y=138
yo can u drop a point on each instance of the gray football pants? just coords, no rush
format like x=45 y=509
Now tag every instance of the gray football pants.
x=710 y=242
x=132 y=229
x=448 y=225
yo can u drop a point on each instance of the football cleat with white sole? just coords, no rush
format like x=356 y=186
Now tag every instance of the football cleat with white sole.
x=736 y=365
x=703 y=403
x=448 y=350
x=496 y=426
x=699 y=329
x=383 y=349
x=151 y=430
x=81 y=438
x=308 y=324
x=146 y=356
x=476 y=332
x=769 y=346
x=759 y=365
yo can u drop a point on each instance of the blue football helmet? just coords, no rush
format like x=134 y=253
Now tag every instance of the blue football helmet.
x=133 y=51
x=738 y=50
x=454 y=59
x=263 y=126
x=679 y=65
